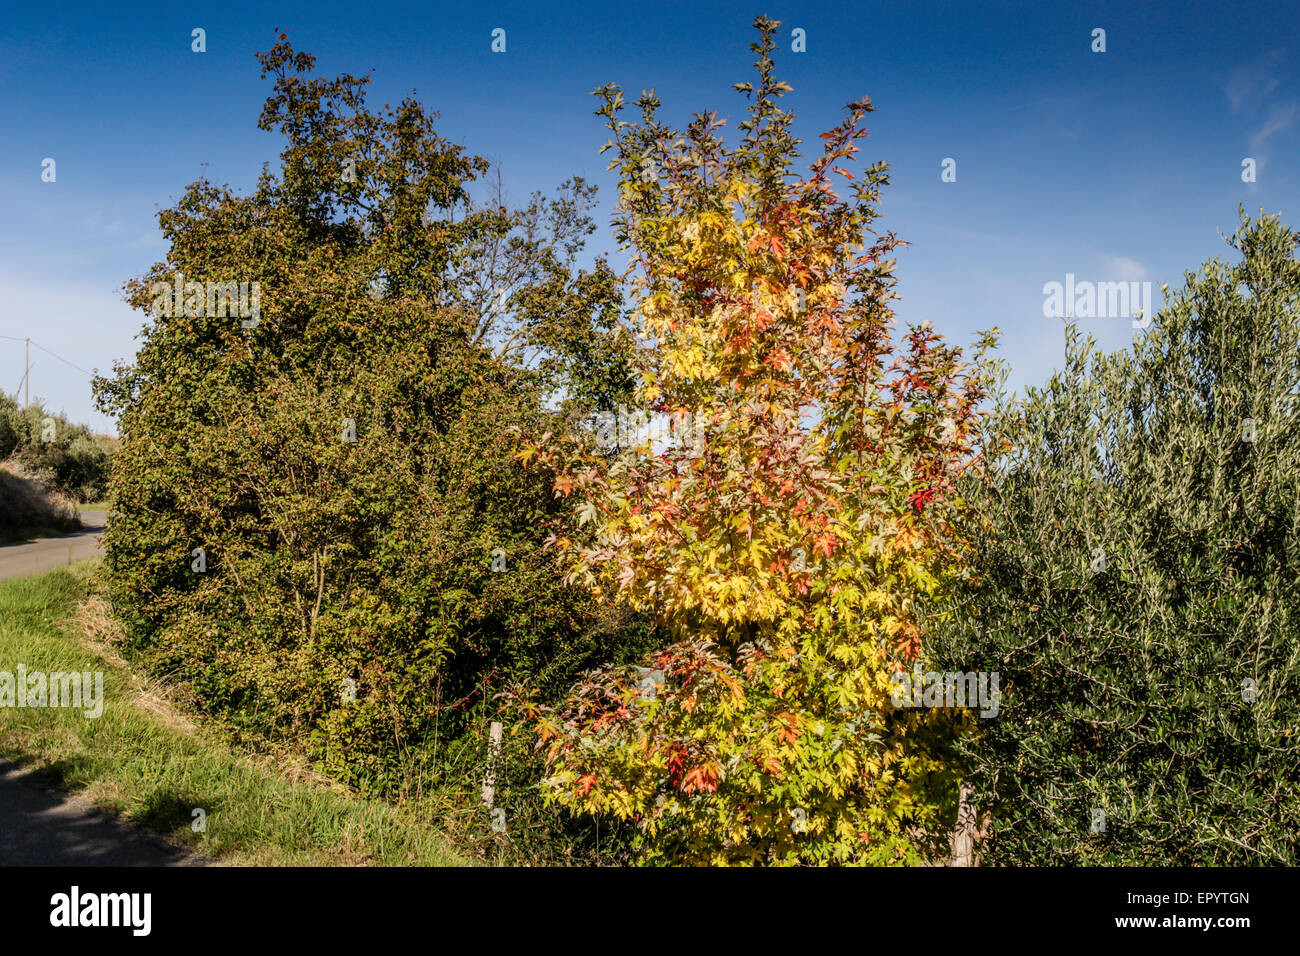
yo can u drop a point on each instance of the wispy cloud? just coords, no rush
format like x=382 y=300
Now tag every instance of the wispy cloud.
x=1252 y=83
x=1124 y=269
x=1280 y=117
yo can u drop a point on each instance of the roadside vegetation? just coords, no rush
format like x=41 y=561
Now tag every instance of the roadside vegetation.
x=29 y=508
x=154 y=765
x=64 y=458
x=49 y=466
x=1138 y=543
x=402 y=506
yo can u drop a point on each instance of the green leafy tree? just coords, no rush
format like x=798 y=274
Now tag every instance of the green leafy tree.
x=1138 y=551
x=321 y=532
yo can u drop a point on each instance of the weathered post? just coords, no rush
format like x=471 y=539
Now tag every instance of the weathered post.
x=965 y=832
x=490 y=778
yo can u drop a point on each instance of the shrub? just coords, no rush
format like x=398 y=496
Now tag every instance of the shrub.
x=28 y=506
x=340 y=593
x=65 y=456
x=1138 y=551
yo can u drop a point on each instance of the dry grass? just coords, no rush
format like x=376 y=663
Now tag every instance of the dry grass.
x=143 y=759
x=28 y=506
x=102 y=635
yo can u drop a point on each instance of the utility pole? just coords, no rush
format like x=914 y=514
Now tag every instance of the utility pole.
x=27 y=369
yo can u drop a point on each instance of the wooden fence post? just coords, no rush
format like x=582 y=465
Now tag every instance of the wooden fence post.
x=490 y=778
x=967 y=830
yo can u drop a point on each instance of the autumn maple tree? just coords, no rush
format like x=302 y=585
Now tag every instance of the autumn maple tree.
x=802 y=503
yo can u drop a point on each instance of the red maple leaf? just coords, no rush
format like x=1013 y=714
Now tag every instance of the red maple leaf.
x=701 y=778
x=922 y=498
x=676 y=761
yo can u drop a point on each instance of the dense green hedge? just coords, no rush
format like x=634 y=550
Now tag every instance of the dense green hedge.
x=347 y=599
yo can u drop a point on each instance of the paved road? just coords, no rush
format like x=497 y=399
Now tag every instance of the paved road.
x=44 y=827
x=44 y=554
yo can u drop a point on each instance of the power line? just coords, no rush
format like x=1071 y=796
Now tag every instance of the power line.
x=27 y=365
x=62 y=359
x=17 y=338
x=27 y=371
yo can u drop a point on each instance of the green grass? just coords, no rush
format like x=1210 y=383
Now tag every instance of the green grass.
x=144 y=761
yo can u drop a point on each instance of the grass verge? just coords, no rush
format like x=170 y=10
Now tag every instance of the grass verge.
x=143 y=760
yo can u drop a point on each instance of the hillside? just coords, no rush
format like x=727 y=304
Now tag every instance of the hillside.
x=28 y=508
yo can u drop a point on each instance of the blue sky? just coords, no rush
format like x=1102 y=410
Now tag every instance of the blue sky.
x=1114 y=166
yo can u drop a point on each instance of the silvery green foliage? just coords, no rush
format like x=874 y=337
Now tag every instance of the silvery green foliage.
x=1123 y=681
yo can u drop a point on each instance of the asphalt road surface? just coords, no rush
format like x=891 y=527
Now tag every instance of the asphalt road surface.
x=45 y=554
x=44 y=827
